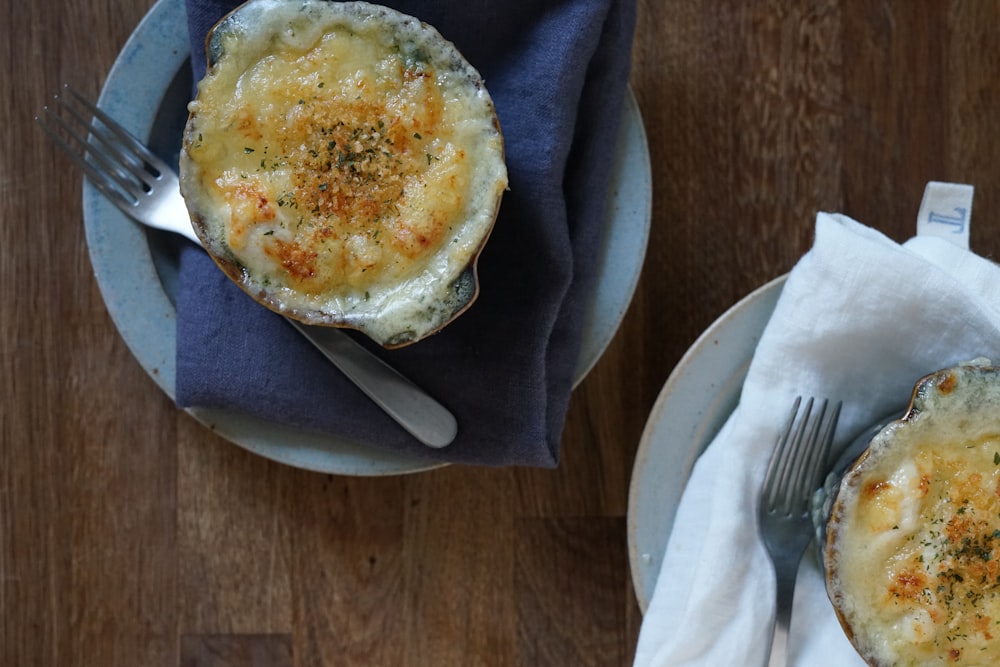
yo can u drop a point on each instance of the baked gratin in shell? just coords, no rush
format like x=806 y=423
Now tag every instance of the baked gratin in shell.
x=344 y=165
x=913 y=540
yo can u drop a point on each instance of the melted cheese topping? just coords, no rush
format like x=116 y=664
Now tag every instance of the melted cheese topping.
x=342 y=164
x=917 y=545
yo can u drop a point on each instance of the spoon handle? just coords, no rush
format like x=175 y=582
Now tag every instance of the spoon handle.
x=409 y=405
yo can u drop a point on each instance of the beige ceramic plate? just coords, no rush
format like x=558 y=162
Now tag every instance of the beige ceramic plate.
x=695 y=402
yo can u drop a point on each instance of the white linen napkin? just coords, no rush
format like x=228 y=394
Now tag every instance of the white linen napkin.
x=861 y=319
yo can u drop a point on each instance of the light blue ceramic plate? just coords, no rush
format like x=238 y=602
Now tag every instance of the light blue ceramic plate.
x=147 y=90
x=695 y=402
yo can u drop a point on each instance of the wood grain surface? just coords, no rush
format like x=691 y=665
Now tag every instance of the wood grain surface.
x=132 y=536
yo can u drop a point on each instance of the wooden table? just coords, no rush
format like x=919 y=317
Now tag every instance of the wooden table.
x=131 y=535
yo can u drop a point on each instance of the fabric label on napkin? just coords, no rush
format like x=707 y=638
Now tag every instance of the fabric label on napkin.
x=945 y=212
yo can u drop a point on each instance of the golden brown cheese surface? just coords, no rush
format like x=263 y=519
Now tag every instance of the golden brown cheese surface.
x=919 y=553
x=343 y=167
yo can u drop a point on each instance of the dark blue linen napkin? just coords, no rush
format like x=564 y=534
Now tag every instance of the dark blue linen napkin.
x=557 y=71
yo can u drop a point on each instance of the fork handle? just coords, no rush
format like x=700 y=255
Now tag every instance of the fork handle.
x=778 y=656
x=785 y=588
x=422 y=416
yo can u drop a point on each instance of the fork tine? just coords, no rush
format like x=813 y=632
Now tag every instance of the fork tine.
x=110 y=174
x=776 y=477
x=101 y=180
x=807 y=456
x=140 y=149
x=120 y=163
x=805 y=433
x=797 y=461
x=106 y=144
x=823 y=442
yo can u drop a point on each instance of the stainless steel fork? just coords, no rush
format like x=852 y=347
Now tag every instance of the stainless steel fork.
x=146 y=189
x=784 y=523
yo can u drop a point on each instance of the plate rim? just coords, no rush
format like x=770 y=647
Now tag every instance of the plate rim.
x=647 y=537
x=142 y=312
